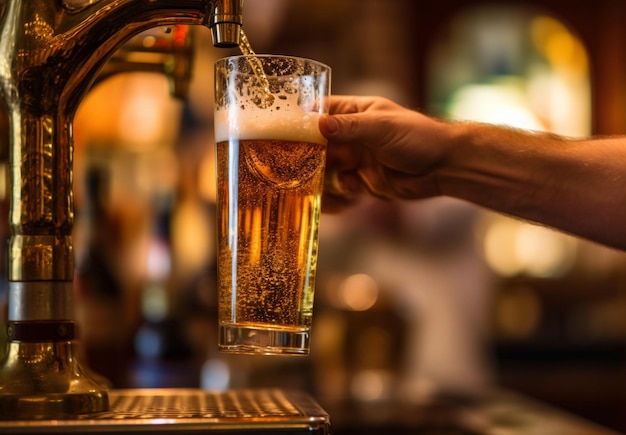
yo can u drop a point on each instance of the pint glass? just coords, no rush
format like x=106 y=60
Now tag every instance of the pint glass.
x=270 y=170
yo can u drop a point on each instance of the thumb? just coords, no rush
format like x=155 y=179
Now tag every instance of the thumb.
x=362 y=128
x=329 y=126
x=340 y=128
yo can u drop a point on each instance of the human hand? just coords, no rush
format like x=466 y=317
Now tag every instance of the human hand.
x=380 y=147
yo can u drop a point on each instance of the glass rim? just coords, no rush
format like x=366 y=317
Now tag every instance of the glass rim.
x=319 y=64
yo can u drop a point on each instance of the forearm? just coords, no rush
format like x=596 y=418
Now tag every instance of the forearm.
x=578 y=186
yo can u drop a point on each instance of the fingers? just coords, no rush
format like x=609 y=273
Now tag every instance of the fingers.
x=348 y=131
x=358 y=130
x=328 y=125
x=366 y=120
x=345 y=184
x=345 y=128
x=344 y=189
x=337 y=126
x=341 y=190
x=373 y=177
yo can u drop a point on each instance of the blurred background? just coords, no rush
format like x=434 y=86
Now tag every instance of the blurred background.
x=413 y=300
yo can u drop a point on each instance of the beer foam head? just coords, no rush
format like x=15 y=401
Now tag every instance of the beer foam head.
x=283 y=120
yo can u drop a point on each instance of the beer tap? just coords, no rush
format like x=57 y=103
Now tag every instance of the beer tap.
x=50 y=54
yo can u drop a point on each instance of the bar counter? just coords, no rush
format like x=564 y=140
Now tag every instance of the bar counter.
x=261 y=411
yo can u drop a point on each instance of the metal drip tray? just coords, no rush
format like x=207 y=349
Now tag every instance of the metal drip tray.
x=192 y=411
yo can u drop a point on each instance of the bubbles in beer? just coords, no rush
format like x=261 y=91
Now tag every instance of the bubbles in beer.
x=283 y=164
x=274 y=233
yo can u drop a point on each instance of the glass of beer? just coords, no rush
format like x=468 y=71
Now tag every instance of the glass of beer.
x=270 y=169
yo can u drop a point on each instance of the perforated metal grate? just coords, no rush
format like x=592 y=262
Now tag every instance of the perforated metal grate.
x=262 y=411
x=201 y=404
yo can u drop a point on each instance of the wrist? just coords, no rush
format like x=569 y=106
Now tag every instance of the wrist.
x=460 y=149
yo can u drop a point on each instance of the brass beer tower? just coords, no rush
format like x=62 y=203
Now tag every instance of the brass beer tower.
x=51 y=52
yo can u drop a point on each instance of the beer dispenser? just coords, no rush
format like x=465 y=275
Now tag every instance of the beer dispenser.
x=51 y=52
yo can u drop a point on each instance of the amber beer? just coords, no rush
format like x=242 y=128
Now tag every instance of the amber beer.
x=270 y=168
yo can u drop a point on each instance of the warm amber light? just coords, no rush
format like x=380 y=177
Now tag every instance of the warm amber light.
x=358 y=292
x=512 y=247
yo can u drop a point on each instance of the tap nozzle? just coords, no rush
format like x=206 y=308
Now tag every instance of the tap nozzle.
x=226 y=22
